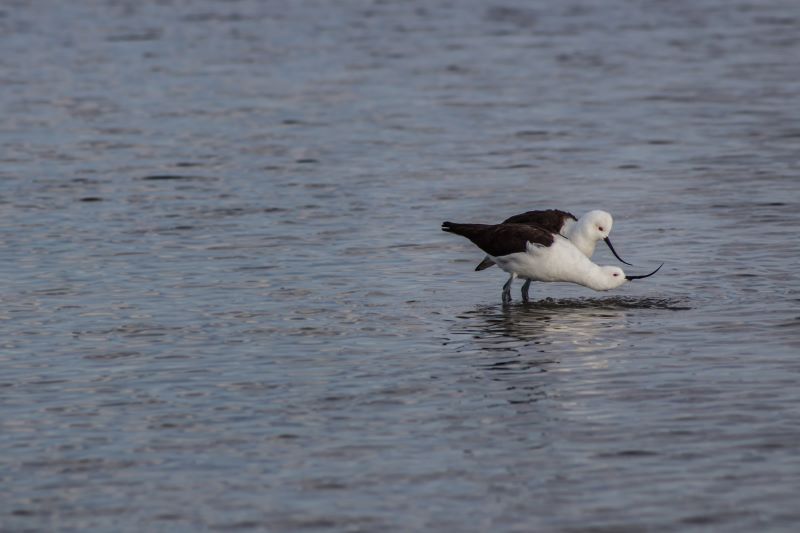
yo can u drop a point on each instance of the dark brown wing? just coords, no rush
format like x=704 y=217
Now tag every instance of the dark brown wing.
x=501 y=239
x=549 y=219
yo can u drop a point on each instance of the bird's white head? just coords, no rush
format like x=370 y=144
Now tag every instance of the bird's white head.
x=596 y=224
x=605 y=278
x=609 y=277
x=590 y=228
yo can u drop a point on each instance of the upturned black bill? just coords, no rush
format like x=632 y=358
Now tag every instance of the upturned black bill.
x=646 y=275
x=613 y=251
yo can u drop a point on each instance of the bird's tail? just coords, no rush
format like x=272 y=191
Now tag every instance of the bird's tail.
x=481 y=235
x=465 y=230
x=449 y=227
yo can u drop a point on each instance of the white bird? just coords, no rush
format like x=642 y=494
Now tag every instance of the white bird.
x=537 y=254
x=583 y=232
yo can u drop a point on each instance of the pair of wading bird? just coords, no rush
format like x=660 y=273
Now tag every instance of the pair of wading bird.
x=548 y=245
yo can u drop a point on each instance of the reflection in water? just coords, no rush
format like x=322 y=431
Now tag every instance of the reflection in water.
x=536 y=334
x=519 y=342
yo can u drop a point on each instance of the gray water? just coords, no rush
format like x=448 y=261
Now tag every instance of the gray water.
x=226 y=302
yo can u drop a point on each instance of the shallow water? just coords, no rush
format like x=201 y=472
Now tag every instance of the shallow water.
x=227 y=303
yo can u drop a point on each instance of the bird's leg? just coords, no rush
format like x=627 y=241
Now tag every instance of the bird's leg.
x=507 y=289
x=525 y=288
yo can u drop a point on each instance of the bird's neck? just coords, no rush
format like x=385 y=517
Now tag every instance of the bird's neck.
x=578 y=236
x=581 y=270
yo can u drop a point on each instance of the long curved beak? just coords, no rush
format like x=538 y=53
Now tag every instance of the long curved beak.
x=613 y=251
x=646 y=275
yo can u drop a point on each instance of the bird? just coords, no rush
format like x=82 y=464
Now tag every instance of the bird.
x=583 y=232
x=535 y=253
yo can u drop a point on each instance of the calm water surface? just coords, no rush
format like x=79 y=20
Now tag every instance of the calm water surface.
x=226 y=303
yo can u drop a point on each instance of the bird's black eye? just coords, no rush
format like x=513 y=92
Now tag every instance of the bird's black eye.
x=600 y=228
x=616 y=274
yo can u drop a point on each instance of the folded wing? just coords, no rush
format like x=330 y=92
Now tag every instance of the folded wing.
x=501 y=239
